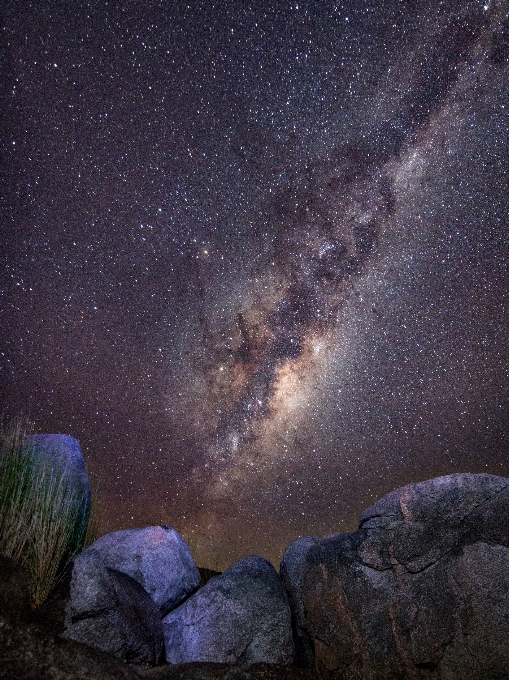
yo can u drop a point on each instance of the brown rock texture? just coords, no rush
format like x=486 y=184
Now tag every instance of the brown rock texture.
x=420 y=591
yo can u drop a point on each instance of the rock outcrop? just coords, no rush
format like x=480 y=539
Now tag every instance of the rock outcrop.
x=291 y=574
x=242 y=616
x=157 y=557
x=421 y=590
x=31 y=648
x=111 y=611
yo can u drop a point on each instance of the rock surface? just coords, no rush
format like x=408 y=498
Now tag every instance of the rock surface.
x=291 y=575
x=157 y=557
x=64 y=452
x=242 y=616
x=30 y=649
x=111 y=611
x=421 y=590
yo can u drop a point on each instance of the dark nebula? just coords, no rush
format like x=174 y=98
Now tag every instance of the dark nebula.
x=255 y=255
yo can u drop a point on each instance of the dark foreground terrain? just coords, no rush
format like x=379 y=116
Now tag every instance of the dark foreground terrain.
x=31 y=647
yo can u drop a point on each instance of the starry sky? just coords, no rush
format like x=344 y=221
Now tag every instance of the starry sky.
x=254 y=255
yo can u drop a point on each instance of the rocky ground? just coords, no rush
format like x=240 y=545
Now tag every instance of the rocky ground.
x=31 y=647
x=419 y=592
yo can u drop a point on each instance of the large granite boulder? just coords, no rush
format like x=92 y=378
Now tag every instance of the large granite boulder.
x=157 y=557
x=291 y=574
x=63 y=453
x=242 y=616
x=421 y=590
x=111 y=611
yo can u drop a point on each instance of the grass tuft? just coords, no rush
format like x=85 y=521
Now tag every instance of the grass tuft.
x=41 y=511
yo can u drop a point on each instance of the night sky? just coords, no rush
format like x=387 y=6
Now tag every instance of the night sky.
x=254 y=255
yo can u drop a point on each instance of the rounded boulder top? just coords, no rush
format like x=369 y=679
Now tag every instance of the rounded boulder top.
x=64 y=448
x=448 y=499
x=239 y=617
x=65 y=452
x=157 y=557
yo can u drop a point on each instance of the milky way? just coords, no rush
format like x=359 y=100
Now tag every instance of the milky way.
x=256 y=260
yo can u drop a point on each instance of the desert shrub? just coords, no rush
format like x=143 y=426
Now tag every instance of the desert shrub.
x=41 y=512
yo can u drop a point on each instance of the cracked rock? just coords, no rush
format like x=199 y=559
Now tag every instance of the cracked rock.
x=110 y=611
x=420 y=590
x=242 y=616
x=157 y=557
x=291 y=575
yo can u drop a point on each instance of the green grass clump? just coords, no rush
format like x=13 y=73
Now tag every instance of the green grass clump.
x=42 y=523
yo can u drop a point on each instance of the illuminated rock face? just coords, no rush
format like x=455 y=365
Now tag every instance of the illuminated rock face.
x=63 y=453
x=421 y=590
x=242 y=616
x=111 y=611
x=157 y=557
x=121 y=587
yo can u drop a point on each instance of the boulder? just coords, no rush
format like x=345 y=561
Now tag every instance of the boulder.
x=242 y=616
x=110 y=611
x=291 y=575
x=157 y=558
x=421 y=590
x=64 y=454
x=30 y=649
